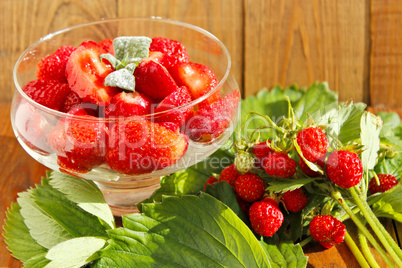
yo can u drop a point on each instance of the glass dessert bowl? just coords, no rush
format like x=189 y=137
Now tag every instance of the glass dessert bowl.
x=184 y=103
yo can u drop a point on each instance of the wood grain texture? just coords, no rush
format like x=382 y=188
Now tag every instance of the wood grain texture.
x=386 y=54
x=292 y=41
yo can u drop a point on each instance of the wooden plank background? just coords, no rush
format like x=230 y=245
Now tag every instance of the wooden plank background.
x=355 y=45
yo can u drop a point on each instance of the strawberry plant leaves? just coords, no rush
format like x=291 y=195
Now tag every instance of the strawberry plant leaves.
x=369 y=136
x=284 y=185
x=284 y=253
x=188 y=231
x=388 y=204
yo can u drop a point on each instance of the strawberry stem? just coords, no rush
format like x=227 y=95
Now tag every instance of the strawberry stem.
x=366 y=251
x=306 y=241
x=382 y=234
x=356 y=251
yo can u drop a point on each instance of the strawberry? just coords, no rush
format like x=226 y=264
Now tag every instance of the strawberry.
x=175 y=51
x=344 y=168
x=313 y=143
x=53 y=67
x=244 y=206
x=170 y=125
x=50 y=93
x=387 y=182
x=86 y=74
x=229 y=174
x=175 y=99
x=210 y=121
x=211 y=181
x=140 y=146
x=198 y=78
x=72 y=100
x=79 y=142
x=128 y=104
x=307 y=170
x=249 y=187
x=279 y=165
x=153 y=80
x=107 y=45
x=265 y=217
x=261 y=150
x=295 y=200
x=327 y=230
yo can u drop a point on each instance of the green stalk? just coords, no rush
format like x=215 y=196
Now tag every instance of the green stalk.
x=366 y=251
x=382 y=234
x=356 y=251
x=339 y=198
x=306 y=241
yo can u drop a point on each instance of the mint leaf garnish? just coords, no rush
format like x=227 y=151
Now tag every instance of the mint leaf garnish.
x=131 y=49
x=116 y=64
x=122 y=78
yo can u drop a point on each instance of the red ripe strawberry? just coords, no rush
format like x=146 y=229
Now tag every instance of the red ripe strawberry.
x=344 y=168
x=250 y=187
x=175 y=99
x=175 y=51
x=244 y=206
x=198 y=78
x=107 y=45
x=279 y=165
x=295 y=200
x=313 y=143
x=262 y=149
x=387 y=182
x=50 y=93
x=79 y=142
x=265 y=217
x=140 y=146
x=53 y=67
x=211 y=181
x=327 y=230
x=210 y=121
x=229 y=174
x=153 y=80
x=171 y=126
x=71 y=101
x=128 y=104
x=307 y=170
x=86 y=74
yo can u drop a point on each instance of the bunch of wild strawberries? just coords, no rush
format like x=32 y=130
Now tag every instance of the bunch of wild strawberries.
x=342 y=167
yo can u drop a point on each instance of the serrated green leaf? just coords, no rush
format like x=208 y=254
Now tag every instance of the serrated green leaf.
x=75 y=252
x=122 y=78
x=284 y=253
x=190 y=231
x=388 y=204
x=369 y=136
x=84 y=193
x=129 y=49
x=284 y=185
x=38 y=261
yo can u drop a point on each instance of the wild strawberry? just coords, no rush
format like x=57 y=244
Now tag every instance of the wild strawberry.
x=107 y=45
x=244 y=206
x=295 y=200
x=53 y=67
x=313 y=143
x=279 y=165
x=198 y=78
x=175 y=99
x=307 y=170
x=210 y=121
x=387 y=182
x=175 y=51
x=265 y=217
x=327 y=230
x=229 y=174
x=86 y=74
x=50 y=93
x=262 y=149
x=71 y=101
x=344 y=168
x=128 y=104
x=140 y=146
x=211 y=181
x=153 y=80
x=250 y=187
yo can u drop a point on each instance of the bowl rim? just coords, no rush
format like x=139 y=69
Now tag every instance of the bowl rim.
x=110 y=20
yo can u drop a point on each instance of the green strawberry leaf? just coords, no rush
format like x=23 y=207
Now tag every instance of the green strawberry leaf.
x=388 y=204
x=369 y=136
x=188 y=231
x=284 y=253
x=284 y=185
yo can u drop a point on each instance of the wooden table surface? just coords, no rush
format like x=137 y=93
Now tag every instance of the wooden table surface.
x=355 y=45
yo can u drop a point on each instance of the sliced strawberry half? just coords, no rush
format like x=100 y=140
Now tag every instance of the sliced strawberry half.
x=174 y=50
x=198 y=78
x=128 y=104
x=86 y=74
x=153 y=80
x=176 y=99
x=72 y=100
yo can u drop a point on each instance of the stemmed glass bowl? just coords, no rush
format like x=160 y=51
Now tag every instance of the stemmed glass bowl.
x=32 y=122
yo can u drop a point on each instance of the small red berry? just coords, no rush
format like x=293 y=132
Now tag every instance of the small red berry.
x=344 y=168
x=313 y=143
x=53 y=67
x=295 y=200
x=265 y=217
x=387 y=182
x=262 y=149
x=244 y=206
x=327 y=230
x=279 y=165
x=250 y=187
x=229 y=174
x=211 y=181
